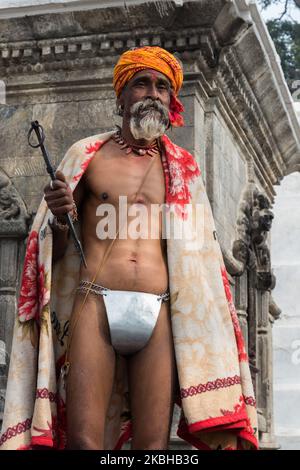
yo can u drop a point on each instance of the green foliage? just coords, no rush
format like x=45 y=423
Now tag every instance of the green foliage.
x=286 y=37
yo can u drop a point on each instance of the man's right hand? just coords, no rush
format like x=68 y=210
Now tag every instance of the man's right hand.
x=59 y=199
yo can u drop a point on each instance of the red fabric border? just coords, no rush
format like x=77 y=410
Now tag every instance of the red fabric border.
x=42 y=441
x=238 y=419
x=184 y=432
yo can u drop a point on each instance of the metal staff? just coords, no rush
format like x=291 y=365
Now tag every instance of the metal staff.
x=35 y=126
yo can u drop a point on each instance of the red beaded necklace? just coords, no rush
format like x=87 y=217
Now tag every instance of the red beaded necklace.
x=151 y=150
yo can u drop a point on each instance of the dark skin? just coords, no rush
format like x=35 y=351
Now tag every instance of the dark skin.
x=134 y=264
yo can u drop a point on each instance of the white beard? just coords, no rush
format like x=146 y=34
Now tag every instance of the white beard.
x=148 y=124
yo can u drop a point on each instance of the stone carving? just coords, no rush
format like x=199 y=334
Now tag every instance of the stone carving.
x=13 y=213
x=13 y=229
x=241 y=246
x=251 y=248
x=275 y=311
x=262 y=218
x=253 y=224
x=9 y=208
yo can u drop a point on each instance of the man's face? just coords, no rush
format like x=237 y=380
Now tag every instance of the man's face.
x=146 y=84
x=145 y=101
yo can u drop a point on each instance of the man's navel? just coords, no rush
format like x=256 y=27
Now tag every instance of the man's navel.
x=133 y=257
x=104 y=196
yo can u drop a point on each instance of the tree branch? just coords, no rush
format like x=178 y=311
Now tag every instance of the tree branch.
x=285 y=10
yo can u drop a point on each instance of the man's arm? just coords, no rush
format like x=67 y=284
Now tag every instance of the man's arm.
x=60 y=200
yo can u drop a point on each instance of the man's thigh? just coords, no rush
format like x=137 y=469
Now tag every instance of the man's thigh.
x=152 y=383
x=91 y=375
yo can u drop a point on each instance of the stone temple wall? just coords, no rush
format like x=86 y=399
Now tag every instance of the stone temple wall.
x=57 y=68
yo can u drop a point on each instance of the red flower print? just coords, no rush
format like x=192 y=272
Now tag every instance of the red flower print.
x=43 y=291
x=28 y=302
x=45 y=432
x=34 y=294
x=48 y=433
x=180 y=168
x=238 y=408
x=90 y=149
x=83 y=167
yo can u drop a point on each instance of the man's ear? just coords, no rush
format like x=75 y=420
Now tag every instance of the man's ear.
x=120 y=106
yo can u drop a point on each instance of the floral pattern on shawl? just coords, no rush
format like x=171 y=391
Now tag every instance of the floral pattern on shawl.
x=180 y=170
x=35 y=292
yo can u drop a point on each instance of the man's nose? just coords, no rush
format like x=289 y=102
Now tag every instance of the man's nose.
x=152 y=91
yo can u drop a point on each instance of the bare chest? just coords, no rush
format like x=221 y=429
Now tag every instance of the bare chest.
x=109 y=177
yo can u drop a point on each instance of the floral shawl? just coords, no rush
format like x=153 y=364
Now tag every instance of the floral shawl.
x=218 y=409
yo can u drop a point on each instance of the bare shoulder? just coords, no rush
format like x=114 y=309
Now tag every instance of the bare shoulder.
x=106 y=152
x=105 y=162
x=101 y=170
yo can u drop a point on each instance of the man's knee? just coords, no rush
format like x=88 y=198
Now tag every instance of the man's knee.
x=82 y=441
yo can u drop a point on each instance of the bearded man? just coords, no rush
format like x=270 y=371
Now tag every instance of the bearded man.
x=141 y=302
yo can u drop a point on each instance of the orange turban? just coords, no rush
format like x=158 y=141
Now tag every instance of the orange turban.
x=152 y=57
x=133 y=61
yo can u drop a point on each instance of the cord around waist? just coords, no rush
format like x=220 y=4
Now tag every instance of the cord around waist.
x=97 y=289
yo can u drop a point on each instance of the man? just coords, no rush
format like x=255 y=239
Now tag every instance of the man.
x=133 y=265
x=122 y=318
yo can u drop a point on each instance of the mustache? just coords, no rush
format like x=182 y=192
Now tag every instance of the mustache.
x=149 y=119
x=144 y=106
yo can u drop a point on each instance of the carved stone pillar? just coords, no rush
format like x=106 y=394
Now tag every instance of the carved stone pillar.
x=253 y=288
x=241 y=303
x=268 y=439
x=13 y=230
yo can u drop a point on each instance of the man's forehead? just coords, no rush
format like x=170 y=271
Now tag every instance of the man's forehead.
x=151 y=73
